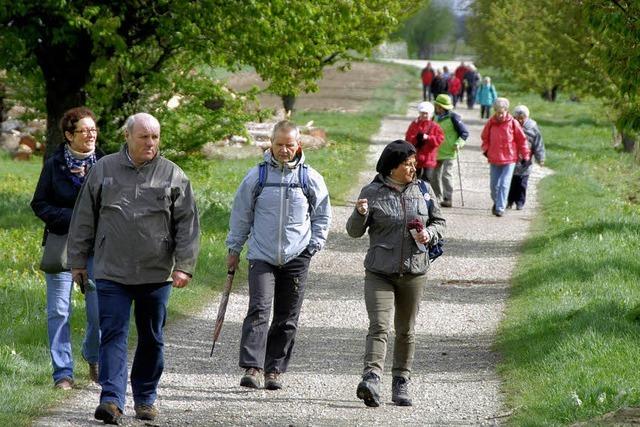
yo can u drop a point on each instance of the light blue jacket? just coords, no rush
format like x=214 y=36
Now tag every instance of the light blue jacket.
x=279 y=224
x=486 y=94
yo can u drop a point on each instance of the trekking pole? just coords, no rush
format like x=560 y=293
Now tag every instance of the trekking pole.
x=460 y=178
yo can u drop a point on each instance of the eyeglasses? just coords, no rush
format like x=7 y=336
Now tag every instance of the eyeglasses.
x=87 y=132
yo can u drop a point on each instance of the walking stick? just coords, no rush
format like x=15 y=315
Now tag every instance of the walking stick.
x=222 y=308
x=460 y=178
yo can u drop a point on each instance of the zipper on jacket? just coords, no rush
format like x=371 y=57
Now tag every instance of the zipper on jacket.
x=281 y=219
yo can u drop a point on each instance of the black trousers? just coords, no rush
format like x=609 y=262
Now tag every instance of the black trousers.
x=518 y=190
x=270 y=347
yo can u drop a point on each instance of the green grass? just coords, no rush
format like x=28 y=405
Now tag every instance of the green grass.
x=571 y=338
x=25 y=372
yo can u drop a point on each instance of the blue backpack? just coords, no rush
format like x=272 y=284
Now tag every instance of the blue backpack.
x=303 y=183
x=438 y=249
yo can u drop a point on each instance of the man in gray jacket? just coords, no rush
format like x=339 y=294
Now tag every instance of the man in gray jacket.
x=282 y=208
x=136 y=213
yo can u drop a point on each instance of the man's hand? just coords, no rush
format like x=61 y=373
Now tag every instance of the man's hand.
x=233 y=259
x=80 y=276
x=180 y=279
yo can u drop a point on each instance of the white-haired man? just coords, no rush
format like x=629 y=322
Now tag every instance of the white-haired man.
x=136 y=212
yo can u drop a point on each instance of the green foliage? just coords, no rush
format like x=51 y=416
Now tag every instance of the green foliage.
x=571 y=336
x=124 y=57
x=433 y=23
x=588 y=47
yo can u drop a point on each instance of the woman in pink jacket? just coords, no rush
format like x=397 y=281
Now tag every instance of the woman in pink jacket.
x=426 y=135
x=503 y=144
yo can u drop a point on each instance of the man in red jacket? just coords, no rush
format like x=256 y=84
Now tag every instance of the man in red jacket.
x=503 y=144
x=427 y=76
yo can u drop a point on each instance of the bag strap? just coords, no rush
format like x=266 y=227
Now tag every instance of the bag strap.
x=303 y=183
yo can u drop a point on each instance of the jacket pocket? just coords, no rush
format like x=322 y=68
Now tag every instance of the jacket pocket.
x=380 y=258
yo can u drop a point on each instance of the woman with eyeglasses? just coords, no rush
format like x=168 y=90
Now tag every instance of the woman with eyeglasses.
x=60 y=180
x=395 y=264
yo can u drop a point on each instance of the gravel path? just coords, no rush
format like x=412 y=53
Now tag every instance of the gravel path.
x=454 y=379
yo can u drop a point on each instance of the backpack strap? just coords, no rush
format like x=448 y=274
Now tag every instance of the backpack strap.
x=303 y=183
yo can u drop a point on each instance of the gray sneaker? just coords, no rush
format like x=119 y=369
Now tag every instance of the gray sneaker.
x=369 y=389
x=400 y=391
x=272 y=381
x=251 y=378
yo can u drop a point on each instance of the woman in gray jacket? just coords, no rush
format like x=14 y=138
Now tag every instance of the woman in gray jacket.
x=395 y=264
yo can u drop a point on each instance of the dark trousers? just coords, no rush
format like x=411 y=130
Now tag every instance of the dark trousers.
x=471 y=96
x=150 y=312
x=426 y=92
x=270 y=347
x=518 y=190
x=485 y=111
x=425 y=174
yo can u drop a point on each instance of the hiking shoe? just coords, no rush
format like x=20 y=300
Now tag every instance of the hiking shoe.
x=519 y=206
x=93 y=372
x=369 y=389
x=251 y=378
x=271 y=381
x=446 y=203
x=109 y=413
x=65 y=383
x=400 y=391
x=144 y=411
x=510 y=205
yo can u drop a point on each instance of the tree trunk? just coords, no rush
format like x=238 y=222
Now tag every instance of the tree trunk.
x=551 y=94
x=65 y=69
x=628 y=142
x=288 y=102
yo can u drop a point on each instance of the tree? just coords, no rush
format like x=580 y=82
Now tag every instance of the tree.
x=433 y=23
x=589 y=47
x=132 y=55
x=317 y=34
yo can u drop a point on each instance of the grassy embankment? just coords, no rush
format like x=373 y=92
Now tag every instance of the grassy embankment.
x=571 y=338
x=25 y=371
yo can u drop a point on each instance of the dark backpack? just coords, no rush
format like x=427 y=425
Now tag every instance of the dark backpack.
x=303 y=183
x=438 y=249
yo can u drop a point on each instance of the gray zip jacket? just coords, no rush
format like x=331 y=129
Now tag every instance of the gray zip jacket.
x=281 y=222
x=392 y=249
x=141 y=223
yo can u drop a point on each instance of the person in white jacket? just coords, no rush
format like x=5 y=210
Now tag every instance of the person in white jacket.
x=282 y=210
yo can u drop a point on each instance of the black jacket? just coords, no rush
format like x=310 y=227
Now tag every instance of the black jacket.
x=56 y=194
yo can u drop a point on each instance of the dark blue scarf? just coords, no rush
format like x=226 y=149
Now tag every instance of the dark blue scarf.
x=78 y=168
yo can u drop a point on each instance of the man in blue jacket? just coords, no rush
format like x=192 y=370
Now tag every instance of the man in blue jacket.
x=282 y=208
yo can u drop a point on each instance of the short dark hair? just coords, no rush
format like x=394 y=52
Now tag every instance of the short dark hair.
x=73 y=116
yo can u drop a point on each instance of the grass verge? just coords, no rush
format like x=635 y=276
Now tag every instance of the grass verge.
x=25 y=372
x=571 y=336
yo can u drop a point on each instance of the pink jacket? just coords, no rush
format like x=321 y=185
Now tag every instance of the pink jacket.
x=504 y=142
x=427 y=154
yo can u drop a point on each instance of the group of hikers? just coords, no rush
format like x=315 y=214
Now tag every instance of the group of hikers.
x=130 y=231
x=464 y=80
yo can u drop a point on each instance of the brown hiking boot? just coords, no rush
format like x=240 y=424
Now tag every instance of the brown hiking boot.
x=272 y=381
x=251 y=378
x=93 y=372
x=64 y=384
x=145 y=411
x=109 y=413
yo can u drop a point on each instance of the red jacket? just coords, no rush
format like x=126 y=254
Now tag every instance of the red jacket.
x=455 y=85
x=504 y=142
x=427 y=155
x=461 y=71
x=427 y=76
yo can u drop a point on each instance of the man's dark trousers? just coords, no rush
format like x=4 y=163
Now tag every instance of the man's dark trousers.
x=265 y=347
x=150 y=312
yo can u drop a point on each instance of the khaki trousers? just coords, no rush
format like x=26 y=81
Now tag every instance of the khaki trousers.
x=384 y=295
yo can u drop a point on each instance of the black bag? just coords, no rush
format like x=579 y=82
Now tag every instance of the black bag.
x=54 y=255
x=438 y=249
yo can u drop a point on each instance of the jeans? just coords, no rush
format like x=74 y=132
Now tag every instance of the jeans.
x=150 y=312
x=59 y=290
x=261 y=345
x=443 y=180
x=500 y=184
x=384 y=295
